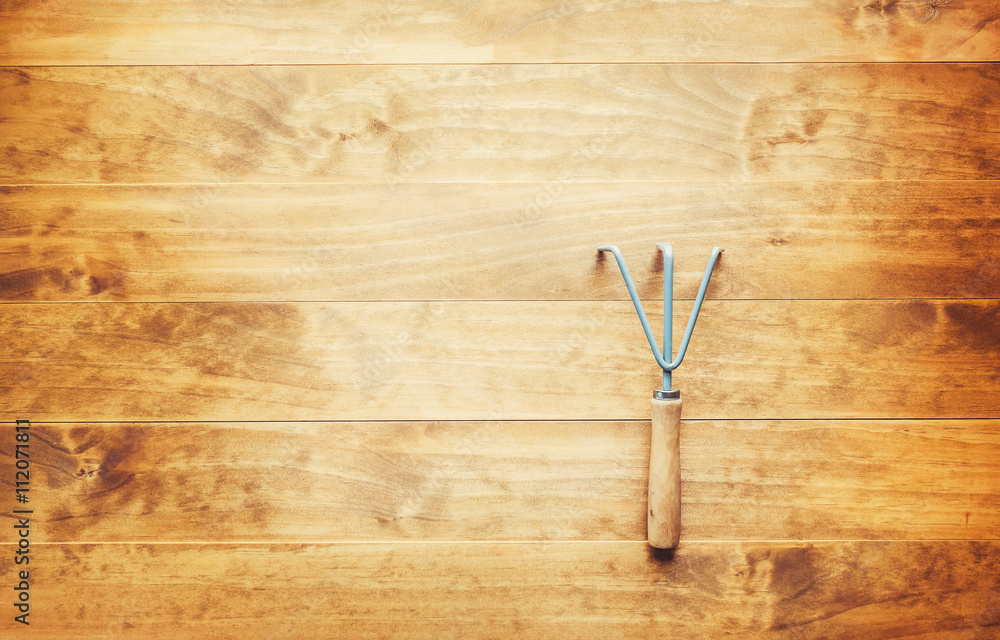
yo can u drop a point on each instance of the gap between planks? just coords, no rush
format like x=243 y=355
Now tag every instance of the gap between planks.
x=788 y=541
x=550 y=420
x=468 y=183
x=480 y=300
x=640 y=63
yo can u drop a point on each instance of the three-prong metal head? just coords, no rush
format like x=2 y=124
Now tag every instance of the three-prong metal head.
x=668 y=308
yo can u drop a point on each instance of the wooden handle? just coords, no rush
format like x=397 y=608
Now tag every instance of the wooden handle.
x=664 y=516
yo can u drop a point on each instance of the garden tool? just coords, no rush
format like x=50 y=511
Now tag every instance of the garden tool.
x=663 y=520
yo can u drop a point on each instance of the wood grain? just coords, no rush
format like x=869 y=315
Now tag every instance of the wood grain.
x=834 y=591
x=496 y=241
x=663 y=506
x=309 y=482
x=534 y=123
x=59 y=32
x=500 y=360
x=276 y=260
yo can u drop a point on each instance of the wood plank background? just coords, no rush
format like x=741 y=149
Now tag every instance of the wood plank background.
x=535 y=123
x=495 y=361
x=110 y=32
x=769 y=590
x=783 y=240
x=304 y=303
x=294 y=481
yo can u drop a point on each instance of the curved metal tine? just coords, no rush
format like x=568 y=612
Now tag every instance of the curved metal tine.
x=660 y=360
x=712 y=259
x=667 y=260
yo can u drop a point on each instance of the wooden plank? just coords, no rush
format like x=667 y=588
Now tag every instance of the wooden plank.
x=830 y=590
x=507 y=241
x=308 y=482
x=494 y=360
x=57 y=32
x=536 y=123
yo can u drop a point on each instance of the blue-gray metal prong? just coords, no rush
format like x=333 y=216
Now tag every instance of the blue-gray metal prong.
x=668 y=302
x=668 y=312
x=660 y=360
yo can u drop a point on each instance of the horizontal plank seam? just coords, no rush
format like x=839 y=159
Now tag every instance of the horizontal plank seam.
x=480 y=542
x=511 y=64
x=492 y=182
x=477 y=300
x=512 y=420
x=751 y=181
